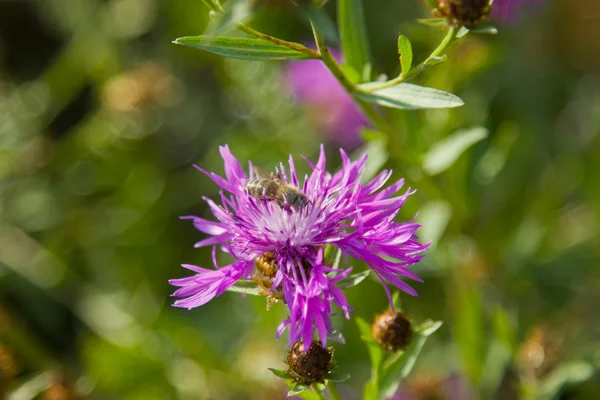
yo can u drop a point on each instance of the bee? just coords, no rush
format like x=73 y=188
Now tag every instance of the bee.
x=272 y=188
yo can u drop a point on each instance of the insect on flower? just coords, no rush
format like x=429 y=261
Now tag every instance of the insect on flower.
x=277 y=227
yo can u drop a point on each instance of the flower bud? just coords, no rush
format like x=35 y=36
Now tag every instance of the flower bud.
x=392 y=330
x=463 y=12
x=310 y=366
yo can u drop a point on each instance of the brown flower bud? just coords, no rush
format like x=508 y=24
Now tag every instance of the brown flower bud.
x=392 y=330
x=463 y=12
x=311 y=366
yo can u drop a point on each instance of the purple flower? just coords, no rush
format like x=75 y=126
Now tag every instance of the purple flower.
x=507 y=10
x=332 y=107
x=339 y=211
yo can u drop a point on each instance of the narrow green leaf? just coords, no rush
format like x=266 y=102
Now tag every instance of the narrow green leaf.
x=351 y=22
x=406 y=54
x=462 y=32
x=246 y=287
x=428 y=327
x=485 y=29
x=281 y=373
x=567 y=373
x=242 y=48
x=407 y=96
x=321 y=19
x=371 y=389
x=433 y=22
x=336 y=336
x=236 y=11
x=443 y=154
x=213 y=5
x=297 y=389
x=337 y=377
x=353 y=280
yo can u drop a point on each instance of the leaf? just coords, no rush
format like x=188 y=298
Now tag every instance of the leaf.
x=407 y=96
x=433 y=22
x=485 y=29
x=397 y=301
x=245 y=287
x=428 y=327
x=393 y=375
x=236 y=11
x=462 y=32
x=434 y=217
x=406 y=54
x=375 y=351
x=336 y=377
x=242 y=48
x=213 y=5
x=377 y=149
x=469 y=330
x=296 y=389
x=443 y=154
x=568 y=373
x=321 y=19
x=336 y=336
x=353 y=280
x=281 y=373
x=353 y=35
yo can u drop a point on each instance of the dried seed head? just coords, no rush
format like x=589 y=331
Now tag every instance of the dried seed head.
x=463 y=12
x=310 y=366
x=392 y=330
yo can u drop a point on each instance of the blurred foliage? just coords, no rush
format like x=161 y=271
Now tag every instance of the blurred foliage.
x=101 y=118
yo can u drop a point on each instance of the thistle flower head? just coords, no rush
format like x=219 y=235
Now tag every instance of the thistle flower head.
x=284 y=241
x=310 y=364
x=392 y=330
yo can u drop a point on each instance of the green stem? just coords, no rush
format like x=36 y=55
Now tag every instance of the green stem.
x=318 y=392
x=333 y=391
x=280 y=42
x=330 y=62
x=438 y=52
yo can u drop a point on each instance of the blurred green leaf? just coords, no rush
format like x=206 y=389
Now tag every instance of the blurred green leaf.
x=353 y=280
x=336 y=336
x=296 y=389
x=353 y=33
x=242 y=48
x=469 y=330
x=433 y=22
x=377 y=151
x=434 y=217
x=443 y=154
x=214 y=5
x=338 y=377
x=568 y=373
x=504 y=330
x=406 y=54
x=485 y=29
x=281 y=373
x=236 y=11
x=407 y=96
x=376 y=353
x=392 y=376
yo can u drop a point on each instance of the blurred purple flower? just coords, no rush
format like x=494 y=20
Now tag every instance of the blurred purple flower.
x=335 y=112
x=507 y=10
x=340 y=211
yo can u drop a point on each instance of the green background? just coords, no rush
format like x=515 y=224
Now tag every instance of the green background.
x=101 y=119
